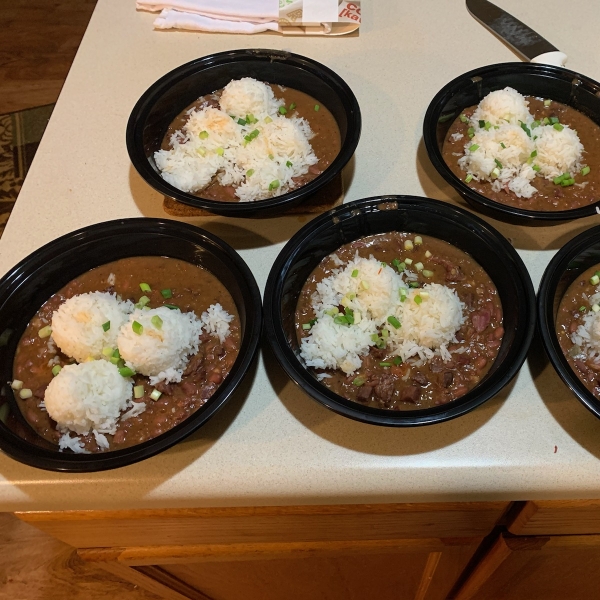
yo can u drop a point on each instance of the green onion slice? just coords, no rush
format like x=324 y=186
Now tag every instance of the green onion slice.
x=45 y=332
x=137 y=328
x=498 y=163
x=249 y=172
x=241 y=122
x=558 y=127
x=203 y=135
x=155 y=394
x=56 y=369
x=138 y=391
x=166 y=294
x=157 y=322
x=463 y=118
x=358 y=381
x=172 y=306
x=317 y=107
x=393 y=321
x=355 y=273
x=289 y=163
x=274 y=184
x=126 y=372
x=585 y=170
x=469 y=178
x=282 y=110
x=474 y=147
x=398 y=360
x=145 y=287
x=418 y=299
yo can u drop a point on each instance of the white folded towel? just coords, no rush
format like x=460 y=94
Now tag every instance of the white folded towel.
x=255 y=16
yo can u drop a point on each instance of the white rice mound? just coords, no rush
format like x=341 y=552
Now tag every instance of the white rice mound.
x=502 y=106
x=248 y=96
x=77 y=324
x=558 y=152
x=430 y=325
x=426 y=328
x=213 y=144
x=160 y=354
x=552 y=152
x=88 y=396
x=587 y=335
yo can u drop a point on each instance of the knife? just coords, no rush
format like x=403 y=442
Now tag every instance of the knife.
x=522 y=39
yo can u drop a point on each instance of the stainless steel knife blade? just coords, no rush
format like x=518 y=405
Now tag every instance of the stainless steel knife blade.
x=522 y=39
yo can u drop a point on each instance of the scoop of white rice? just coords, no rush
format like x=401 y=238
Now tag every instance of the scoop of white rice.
x=77 y=324
x=88 y=396
x=248 y=96
x=215 y=320
x=558 y=152
x=160 y=353
x=502 y=106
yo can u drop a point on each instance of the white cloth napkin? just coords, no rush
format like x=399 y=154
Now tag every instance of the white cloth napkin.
x=226 y=16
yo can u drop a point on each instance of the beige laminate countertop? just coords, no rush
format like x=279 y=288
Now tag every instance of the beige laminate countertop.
x=272 y=444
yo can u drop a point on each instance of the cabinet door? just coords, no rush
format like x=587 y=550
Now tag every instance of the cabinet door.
x=398 y=570
x=536 y=568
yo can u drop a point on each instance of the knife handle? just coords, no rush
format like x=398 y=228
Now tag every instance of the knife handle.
x=558 y=59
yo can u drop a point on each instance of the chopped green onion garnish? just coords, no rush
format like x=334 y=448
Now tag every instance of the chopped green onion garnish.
x=355 y=273
x=582 y=309
x=116 y=353
x=56 y=369
x=268 y=119
x=332 y=311
x=114 y=360
x=138 y=391
x=155 y=394
x=469 y=178
x=274 y=184
x=364 y=285
x=145 y=287
x=45 y=332
x=545 y=121
x=271 y=156
x=418 y=299
x=553 y=120
x=143 y=301
x=317 y=107
x=535 y=124
x=172 y=306
x=595 y=307
x=498 y=163
x=399 y=265
x=241 y=122
x=108 y=351
x=289 y=163
x=340 y=320
x=201 y=151
x=374 y=337
x=427 y=273
x=547 y=102
x=536 y=168
x=481 y=123
x=137 y=328
x=251 y=119
x=106 y=326
x=413 y=284
x=473 y=147
x=385 y=333
x=525 y=129
x=585 y=170
x=220 y=151
x=393 y=321
x=402 y=294
x=203 y=135
x=408 y=245
x=358 y=381
x=16 y=385
x=166 y=294
x=487 y=126
x=282 y=110
x=292 y=106
x=558 y=127
x=463 y=118
x=126 y=372
x=471 y=132
x=249 y=172
x=306 y=326
x=558 y=179
x=419 y=266
x=502 y=144
x=349 y=316
x=567 y=182
x=595 y=280
x=25 y=393
x=533 y=154
x=385 y=364
x=398 y=360
x=157 y=322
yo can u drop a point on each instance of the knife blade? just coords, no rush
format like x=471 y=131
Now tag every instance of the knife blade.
x=521 y=38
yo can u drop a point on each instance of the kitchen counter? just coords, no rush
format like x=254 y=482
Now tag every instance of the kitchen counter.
x=272 y=444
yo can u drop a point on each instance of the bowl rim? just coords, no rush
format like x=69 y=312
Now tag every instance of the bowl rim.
x=484 y=204
x=269 y=206
x=546 y=323
x=302 y=376
x=17 y=448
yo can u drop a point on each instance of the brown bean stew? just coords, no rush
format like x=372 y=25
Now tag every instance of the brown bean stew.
x=383 y=381
x=549 y=195
x=577 y=310
x=326 y=142
x=192 y=289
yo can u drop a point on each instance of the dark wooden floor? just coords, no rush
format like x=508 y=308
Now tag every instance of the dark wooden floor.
x=38 y=41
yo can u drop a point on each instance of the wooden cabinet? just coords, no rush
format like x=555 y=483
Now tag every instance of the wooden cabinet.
x=550 y=551
x=399 y=551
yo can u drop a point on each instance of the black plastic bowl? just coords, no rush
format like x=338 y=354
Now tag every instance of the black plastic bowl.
x=30 y=283
x=165 y=99
x=381 y=214
x=579 y=254
x=529 y=79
